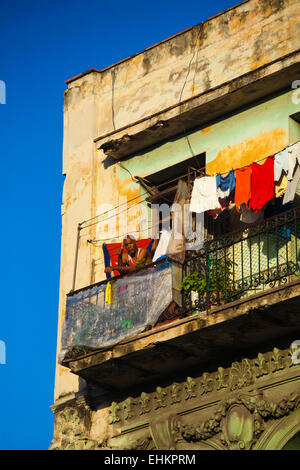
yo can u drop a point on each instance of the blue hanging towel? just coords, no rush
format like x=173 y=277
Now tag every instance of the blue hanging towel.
x=225 y=185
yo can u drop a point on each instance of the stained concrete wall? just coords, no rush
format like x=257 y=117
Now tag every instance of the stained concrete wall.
x=248 y=135
x=237 y=140
x=242 y=39
x=80 y=118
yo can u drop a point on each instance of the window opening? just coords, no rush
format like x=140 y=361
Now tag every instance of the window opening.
x=294 y=128
x=162 y=186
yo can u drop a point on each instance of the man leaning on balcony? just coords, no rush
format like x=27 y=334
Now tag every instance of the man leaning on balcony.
x=132 y=258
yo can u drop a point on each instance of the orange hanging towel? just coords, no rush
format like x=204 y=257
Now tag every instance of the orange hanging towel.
x=262 y=184
x=242 y=186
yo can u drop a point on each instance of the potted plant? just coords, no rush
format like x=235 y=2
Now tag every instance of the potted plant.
x=218 y=283
x=194 y=284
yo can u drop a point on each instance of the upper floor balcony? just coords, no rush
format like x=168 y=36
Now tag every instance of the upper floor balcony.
x=239 y=290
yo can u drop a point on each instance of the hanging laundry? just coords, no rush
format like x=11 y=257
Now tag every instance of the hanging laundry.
x=262 y=184
x=292 y=186
x=250 y=217
x=281 y=163
x=204 y=195
x=176 y=247
x=225 y=189
x=294 y=157
x=284 y=232
x=214 y=213
x=225 y=185
x=195 y=232
x=281 y=185
x=281 y=230
x=162 y=247
x=108 y=293
x=242 y=186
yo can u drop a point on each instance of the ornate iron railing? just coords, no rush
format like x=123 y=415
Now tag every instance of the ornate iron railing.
x=243 y=263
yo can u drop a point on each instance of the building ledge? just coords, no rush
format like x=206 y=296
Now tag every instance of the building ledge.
x=199 y=339
x=202 y=109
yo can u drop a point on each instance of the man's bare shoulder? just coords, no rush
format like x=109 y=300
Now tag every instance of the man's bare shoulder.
x=144 y=255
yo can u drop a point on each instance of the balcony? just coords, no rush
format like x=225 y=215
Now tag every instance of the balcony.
x=238 y=291
x=96 y=318
x=243 y=263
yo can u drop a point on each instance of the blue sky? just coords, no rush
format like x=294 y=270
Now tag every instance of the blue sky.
x=43 y=43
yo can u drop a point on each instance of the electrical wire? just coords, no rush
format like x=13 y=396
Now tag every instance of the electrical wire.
x=261 y=160
x=184 y=84
x=109 y=210
x=93 y=242
x=112 y=216
x=126 y=169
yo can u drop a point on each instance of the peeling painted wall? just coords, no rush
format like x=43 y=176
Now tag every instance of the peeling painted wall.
x=231 y=142
x=80 y=111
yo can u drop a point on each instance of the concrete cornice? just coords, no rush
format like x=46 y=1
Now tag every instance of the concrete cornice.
x=203 y=108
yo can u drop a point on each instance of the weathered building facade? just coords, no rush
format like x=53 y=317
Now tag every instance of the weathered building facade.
x=218 y=96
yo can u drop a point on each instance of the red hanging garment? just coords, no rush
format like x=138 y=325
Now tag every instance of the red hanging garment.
x=242 y=186
x=262 y=184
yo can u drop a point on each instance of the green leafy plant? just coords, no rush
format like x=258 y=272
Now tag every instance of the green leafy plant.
x=220 y=275
x=219 y=278
x=193 y=282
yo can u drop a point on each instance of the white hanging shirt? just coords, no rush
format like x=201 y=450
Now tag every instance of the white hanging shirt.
x=162 y=247
x=281 y=163
x=294 y=155
x=292 y=186
x=196 y=239
x=204 y=195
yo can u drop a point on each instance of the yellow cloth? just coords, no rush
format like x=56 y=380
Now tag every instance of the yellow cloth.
x=108 y=293
x=280 y=186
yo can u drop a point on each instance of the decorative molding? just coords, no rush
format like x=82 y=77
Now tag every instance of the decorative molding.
x=189 y=386
x=175 y=393
x=280 y=432
x=114 y=410
x=127 y=407
x=237 y=423
x=159 y=397
x=233 y=379
x=240 y=420
x=144 y=401
x=165 y=432
x=71 y=433
x=277 y=360
x=143 y=443
x=262 y=366
x=241 y=374
x=221 y=379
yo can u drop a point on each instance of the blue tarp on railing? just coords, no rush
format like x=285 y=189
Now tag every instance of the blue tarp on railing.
x=137 y=301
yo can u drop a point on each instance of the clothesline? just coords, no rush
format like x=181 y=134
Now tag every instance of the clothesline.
x=253 y=184
x=256 y=161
